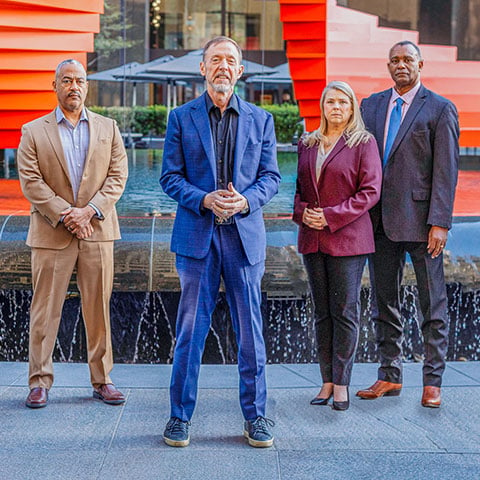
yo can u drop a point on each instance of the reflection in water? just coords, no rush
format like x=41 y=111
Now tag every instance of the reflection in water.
x=143 y=194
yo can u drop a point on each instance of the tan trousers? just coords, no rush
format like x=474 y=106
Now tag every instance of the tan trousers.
x=51 y=273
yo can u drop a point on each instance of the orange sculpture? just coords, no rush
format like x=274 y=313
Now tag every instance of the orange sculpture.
x=35 y=36
x=328 y=42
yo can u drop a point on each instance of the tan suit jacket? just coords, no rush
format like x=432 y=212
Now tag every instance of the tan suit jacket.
x=45 y=181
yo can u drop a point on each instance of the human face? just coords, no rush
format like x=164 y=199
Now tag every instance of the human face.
x=404 y=66
x=337 y=109
x=71 y=87
x=221 y=68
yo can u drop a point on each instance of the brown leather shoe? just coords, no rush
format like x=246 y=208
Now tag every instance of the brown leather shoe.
x=431 y=397
x=37 y=398
x=107 y=393
x=380 y=389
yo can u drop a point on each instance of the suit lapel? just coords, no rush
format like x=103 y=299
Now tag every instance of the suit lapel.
x=93 y=129
x=312 y=164
x=51 y=130
x=339 y=146
x=201 y=121
x=417 y=104
x=380 y=119
x=243 y=134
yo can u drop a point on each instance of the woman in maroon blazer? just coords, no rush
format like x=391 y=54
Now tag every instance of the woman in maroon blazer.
x=339 y=180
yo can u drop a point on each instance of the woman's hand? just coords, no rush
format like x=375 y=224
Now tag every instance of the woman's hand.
x=314 y=218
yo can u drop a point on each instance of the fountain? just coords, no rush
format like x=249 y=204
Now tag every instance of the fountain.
x=146 y=287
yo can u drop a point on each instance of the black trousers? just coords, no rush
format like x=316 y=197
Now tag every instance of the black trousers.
x=335 y=285
x=388 y=263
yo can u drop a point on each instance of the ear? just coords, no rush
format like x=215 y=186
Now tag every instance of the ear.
x=202 y=68
x=54 y=86
x=420 y=64
x=241 y=69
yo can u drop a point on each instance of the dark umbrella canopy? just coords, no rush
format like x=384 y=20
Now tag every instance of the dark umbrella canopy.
x=189 y=64
x=124 y=72
x=112 y=74
x=281 y=75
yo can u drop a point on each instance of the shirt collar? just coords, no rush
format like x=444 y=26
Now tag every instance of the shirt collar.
x=232 y=103
x=60 y=116
x=407 y=97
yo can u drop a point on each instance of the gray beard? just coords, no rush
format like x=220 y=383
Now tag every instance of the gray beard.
x=221 y=88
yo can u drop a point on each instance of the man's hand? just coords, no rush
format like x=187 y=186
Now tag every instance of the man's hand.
x=225 y=203
x=437 y=239
x=77 y=220
x=84 y=232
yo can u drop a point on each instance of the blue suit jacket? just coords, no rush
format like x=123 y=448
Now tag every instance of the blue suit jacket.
x=420 y=176
x=189 y=173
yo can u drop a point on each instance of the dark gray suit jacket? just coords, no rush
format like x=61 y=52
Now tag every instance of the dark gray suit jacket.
x=420 y=176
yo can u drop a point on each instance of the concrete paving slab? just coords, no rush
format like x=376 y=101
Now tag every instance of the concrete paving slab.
x=143 y=420
x=49 y=464
x=218 y=376
x=470 y=369
x=281 y=376
x=362 y=374
x=71 y=421
x=455 y=427
x=78 y=437
x=379 y=465
x=11 y=372
x=412 y=376
x=141 y=376
x=187 y=464
x=321 y=427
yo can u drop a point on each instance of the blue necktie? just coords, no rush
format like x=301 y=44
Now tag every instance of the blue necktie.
x=393 y=126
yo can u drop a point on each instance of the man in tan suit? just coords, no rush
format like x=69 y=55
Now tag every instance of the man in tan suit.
x=73 y=168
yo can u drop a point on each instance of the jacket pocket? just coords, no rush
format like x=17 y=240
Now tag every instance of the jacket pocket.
x=421 y=195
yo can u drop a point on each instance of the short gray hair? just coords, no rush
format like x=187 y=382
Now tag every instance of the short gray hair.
x=66 y=62
x=222 y=39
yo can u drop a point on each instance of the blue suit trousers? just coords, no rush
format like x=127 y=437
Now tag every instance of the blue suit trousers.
x=200 y=282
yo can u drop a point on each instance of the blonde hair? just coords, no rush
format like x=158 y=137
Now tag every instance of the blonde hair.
x=355 y=131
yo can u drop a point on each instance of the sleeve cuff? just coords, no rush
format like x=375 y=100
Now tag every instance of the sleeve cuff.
x=98 y=213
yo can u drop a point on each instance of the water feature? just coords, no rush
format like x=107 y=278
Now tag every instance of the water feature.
x=143 y=194
x=146 y=287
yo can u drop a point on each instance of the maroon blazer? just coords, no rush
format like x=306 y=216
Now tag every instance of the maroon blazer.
x=349 y=185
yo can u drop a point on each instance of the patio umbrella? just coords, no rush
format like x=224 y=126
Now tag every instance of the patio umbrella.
x=126 y=73
x=281 y=75
x=189 y=63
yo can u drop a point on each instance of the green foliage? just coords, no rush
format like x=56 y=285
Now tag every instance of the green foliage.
x=152 y=120
x=110 y=39
x=287 y=121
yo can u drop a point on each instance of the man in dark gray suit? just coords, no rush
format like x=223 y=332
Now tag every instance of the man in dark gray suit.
x=417 y=134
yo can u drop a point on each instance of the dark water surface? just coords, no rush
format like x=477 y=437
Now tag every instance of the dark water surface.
x=143 y=194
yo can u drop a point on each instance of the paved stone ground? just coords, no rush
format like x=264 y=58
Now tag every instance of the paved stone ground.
x=77 y=437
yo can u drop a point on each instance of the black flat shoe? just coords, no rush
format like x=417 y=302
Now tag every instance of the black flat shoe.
x=320 y=400
x=342 y=405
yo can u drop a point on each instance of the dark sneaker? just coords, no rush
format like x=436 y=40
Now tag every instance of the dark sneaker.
x=258 y=433
x=176 y=433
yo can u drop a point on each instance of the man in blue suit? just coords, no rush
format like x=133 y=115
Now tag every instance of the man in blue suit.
x=417 y=135
x=219 y=164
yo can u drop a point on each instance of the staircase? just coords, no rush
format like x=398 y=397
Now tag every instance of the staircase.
x=352 y=47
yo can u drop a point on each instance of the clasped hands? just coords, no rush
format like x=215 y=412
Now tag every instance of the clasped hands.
x=77 y=221
x=225 y=203
x=314 y=218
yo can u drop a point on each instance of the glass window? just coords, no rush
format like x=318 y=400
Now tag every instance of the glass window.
x=188 y=24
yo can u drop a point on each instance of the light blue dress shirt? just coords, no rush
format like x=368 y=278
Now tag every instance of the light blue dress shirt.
x=75 y=142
